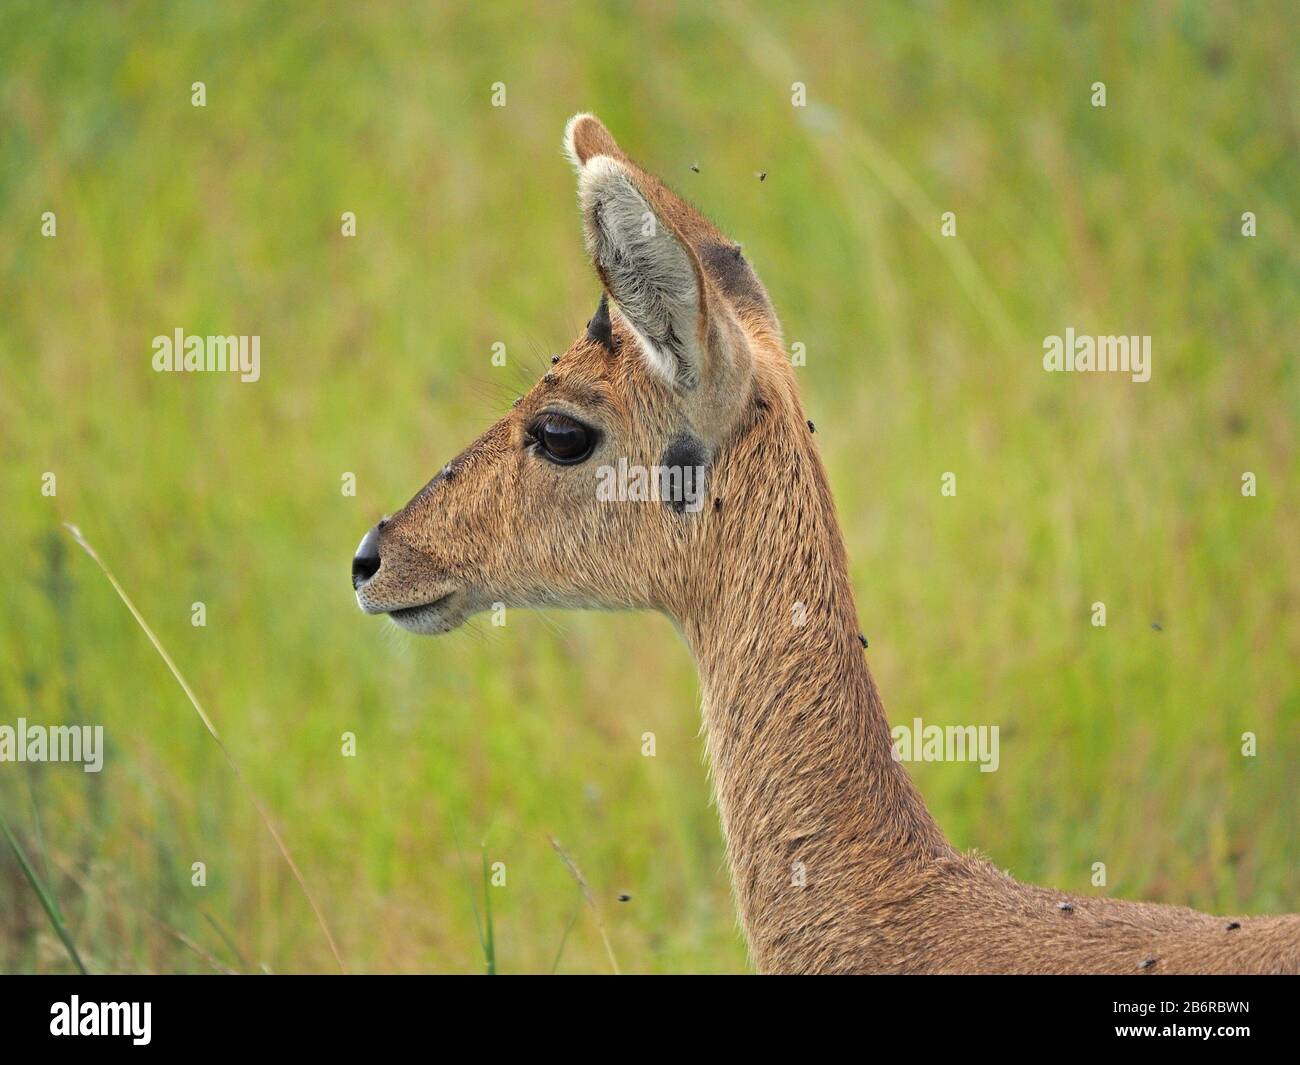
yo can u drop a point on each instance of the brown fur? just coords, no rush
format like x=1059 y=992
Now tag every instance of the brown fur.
x=799 y=743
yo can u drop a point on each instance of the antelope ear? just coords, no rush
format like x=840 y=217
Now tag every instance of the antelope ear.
x=650 y=272
x=584 y=137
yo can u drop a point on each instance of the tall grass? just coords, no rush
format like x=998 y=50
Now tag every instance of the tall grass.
x=212 y=731
x=42 y=891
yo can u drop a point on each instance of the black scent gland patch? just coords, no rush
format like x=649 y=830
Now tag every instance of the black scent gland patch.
x=811 y=428
x=624 y=897
x=862 y=639
x=554 y=359
x=1065 y=907
x=1157 y=626
x=682 y=472
x=1232 y=926
x=600 y=329
x=717 y=503
x=725 y=264
x=1147 y=963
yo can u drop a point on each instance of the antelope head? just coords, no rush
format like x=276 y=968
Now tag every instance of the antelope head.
x=681 y=359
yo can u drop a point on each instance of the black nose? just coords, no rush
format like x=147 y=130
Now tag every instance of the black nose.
x=365 y=563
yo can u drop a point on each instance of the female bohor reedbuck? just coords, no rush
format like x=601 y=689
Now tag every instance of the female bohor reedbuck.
x=836 y=863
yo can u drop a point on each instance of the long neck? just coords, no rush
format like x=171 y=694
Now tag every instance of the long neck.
x=836 y=863
x=821 y=822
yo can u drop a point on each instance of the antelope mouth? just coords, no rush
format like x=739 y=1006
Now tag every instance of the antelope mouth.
x=427 y=619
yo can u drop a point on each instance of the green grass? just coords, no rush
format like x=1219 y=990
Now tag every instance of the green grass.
x=48 y=903
x=1119 y=745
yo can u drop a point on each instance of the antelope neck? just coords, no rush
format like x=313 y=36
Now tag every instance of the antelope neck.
x=817 y=813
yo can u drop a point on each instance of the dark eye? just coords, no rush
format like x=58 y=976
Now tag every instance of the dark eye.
x=561 y=439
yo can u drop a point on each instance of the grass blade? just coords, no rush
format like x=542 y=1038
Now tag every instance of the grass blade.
x=194 y=701
x=47 y=900
x=225 y=938
x=489 y=943
x=469 y=885
x=197 y=948
x=40 y=845
x=559 y=951
x=591 y=902
x=482 y=925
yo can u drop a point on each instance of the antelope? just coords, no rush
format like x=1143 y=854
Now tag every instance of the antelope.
x=836 y=864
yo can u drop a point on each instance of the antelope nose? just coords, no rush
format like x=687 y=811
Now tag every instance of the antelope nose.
x=365 y=563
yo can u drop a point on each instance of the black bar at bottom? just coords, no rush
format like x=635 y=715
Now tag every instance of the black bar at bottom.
x=582 y=1017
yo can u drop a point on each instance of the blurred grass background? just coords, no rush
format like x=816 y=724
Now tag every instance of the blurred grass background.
x=1119 y=745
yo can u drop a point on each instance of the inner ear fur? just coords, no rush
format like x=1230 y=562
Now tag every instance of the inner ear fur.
x=649 y=269
x=662 y=288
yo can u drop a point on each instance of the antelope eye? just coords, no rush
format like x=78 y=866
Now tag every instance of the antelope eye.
x=562 y=439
